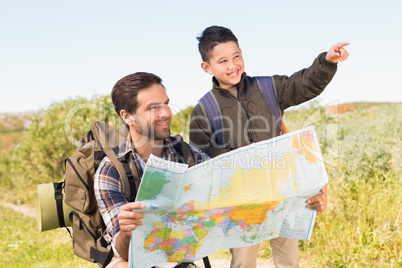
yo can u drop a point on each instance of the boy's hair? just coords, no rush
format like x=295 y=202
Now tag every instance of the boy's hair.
x=211 y=37
x=124 y=93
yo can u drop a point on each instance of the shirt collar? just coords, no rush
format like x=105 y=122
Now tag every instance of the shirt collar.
x=128 y=147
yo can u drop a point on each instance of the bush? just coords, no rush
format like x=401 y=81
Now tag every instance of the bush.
x=50 y=138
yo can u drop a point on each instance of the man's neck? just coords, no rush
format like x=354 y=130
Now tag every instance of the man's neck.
x=145 y=148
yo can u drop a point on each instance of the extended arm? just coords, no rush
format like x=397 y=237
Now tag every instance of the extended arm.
x=308 y=83
x=305 y=84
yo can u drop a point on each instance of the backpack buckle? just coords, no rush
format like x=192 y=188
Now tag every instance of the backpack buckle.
x=58 y=196
x=131 y=177
x=58 y=191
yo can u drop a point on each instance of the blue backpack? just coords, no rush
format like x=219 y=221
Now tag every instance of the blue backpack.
x=208 y=101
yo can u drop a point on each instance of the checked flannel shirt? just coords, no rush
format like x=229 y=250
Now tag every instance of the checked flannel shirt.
x=108 y=187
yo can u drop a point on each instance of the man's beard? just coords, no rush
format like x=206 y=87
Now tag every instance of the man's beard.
x=151 y=133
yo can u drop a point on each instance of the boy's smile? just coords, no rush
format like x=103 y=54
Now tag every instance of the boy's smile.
x=226 y=64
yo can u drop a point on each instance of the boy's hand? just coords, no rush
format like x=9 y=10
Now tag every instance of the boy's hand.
x=337 y=53
x=318 y=202
x=128 y=219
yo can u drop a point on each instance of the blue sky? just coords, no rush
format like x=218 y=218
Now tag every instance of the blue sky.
x=54 y=50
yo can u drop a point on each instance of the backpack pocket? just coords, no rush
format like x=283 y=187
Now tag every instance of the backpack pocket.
x=87 y=236
x=79 y=190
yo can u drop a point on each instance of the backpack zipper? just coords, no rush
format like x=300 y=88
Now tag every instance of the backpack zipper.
x=83 y=224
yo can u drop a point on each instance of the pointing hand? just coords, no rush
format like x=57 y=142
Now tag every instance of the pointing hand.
x=337 y=53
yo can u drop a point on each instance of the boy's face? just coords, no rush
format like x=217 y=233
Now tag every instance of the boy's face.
x=226 y=64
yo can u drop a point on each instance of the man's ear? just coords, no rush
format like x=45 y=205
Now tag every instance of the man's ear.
x=126 y=116
x=206 y=67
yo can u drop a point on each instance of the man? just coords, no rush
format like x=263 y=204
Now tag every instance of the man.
x=141 y=102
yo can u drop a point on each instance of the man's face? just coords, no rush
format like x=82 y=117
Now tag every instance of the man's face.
x=226 y=64
x=153 y=115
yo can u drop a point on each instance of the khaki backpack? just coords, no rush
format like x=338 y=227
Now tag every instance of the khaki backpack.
x=86 y=220
x=87 y=223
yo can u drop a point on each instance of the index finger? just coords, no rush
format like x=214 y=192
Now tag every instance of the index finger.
x=132 y=205
x=341 y=45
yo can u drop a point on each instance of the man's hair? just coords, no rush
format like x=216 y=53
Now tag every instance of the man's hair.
x=124 y=93
x=211 y=37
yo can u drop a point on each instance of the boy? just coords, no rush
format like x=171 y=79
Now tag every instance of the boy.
x=246 y=117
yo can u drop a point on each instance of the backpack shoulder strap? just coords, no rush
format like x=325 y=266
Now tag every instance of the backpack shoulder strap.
x=108 y=136
x=183 y=149
x=210 y=106
x=129 y=177
x=267 y=87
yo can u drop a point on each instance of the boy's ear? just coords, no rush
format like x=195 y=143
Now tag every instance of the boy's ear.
x=206 y=67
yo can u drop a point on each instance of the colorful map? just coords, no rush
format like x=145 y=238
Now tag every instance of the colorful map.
x=240 y=198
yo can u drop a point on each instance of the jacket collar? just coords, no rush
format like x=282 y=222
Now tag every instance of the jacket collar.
x=215 y=83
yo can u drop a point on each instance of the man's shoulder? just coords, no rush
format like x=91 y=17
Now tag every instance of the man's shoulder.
x=195 y=149
x=199 y=155
x=106 y=169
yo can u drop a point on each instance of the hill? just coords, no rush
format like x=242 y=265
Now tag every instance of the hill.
x=12 y=127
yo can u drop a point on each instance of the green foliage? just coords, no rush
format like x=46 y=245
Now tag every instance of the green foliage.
x=181 y=123
x=49 y=139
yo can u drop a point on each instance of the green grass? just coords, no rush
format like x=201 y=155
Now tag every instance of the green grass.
x=23 y=246
x=358 y=231
x=362 y=226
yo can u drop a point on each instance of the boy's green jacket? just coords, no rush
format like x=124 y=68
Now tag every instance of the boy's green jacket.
x=248 y=119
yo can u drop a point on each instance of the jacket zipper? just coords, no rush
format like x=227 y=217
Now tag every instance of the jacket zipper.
x=250 y=139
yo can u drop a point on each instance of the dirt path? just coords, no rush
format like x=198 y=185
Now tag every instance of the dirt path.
x=27 y=211
x=225 y=263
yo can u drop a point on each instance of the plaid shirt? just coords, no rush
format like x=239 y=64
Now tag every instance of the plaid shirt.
x=108 y=187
